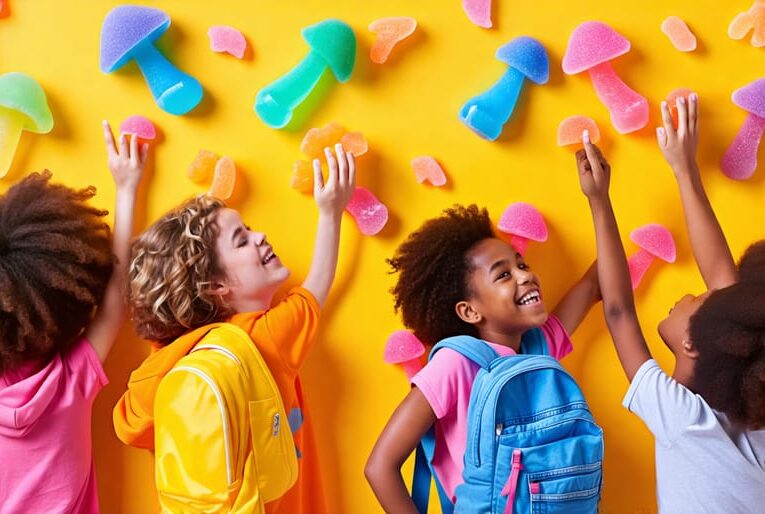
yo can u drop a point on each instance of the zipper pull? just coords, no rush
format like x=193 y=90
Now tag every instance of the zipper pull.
x=275 y=429
x=498 y=429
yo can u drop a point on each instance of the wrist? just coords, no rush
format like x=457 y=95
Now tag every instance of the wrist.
x=599 y=201
x=330 y=214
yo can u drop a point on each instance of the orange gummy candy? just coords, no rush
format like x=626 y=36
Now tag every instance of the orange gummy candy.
x=672 y=102
x=570 y=130
x=317 y=139
x=427 y=168
x=355 y=143
x=202 y=168
x=224 y=179
x=679 y=34
x=302 y=177
x=389 y=31
x=754 y=20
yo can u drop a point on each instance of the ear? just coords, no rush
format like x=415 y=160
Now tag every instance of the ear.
x=467 y=312
x=218 y=289
x=689 y=349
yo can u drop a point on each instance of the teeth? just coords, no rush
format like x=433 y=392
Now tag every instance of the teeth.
x=529 y=298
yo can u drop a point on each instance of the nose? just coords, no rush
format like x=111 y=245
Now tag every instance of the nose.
x=260 y=238
x=524 y=276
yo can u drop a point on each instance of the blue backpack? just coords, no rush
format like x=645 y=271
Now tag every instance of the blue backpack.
x=532 y=446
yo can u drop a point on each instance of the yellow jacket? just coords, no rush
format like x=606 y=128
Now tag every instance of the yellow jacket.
x=221 y=436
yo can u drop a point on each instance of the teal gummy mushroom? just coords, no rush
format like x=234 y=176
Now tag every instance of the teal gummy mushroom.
x=23 y=106
x=129 y=33
x=487 y=113
x=333 y=46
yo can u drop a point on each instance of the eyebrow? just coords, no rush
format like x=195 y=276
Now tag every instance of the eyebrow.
x=497 y=264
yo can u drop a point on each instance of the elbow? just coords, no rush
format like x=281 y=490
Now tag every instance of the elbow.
x=616 y=312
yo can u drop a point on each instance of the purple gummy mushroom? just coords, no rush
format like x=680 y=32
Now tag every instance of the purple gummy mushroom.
x=740 y=159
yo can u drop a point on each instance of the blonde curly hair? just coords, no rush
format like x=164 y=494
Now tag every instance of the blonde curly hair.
x=172 y=266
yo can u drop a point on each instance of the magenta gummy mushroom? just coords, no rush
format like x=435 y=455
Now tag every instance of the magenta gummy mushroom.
x=523 y=222
x=740 y=159
x=590 y=48
x=139 y=126
x=654 y=241
x=404 y=348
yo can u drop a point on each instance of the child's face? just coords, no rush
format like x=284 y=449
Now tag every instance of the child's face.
x=674 y=328
x=503 y=289
x=252 y=270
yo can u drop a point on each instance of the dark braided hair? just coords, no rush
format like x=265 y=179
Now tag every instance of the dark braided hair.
x=728 y=331
x=55 y=262
x=433 y=270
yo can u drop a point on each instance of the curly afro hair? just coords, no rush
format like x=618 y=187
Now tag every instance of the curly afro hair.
x=55 y=262
x=433 y=270
x=173 y=262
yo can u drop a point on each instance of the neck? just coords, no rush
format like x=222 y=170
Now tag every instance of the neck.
x=683 y=373
x=259 y=303
x=510 y=340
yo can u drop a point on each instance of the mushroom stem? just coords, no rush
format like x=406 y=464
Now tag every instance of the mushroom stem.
x=638 y=264
x=628 y=109
x=740 y=159
x=11 y=125
x=275 y=102
x=411 y=367
x=487 y=113
x=519 y=243
x=174 y=91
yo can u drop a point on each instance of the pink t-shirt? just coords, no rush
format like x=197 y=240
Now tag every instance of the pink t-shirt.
x=45 y=441
x=446 y=382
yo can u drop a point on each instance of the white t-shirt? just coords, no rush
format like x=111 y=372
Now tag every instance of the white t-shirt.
x=703 y=462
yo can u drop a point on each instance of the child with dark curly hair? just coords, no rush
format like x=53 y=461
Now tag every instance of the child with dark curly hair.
x=708 y=417
x=456 y=277
x=199 y=270
x=61 y=307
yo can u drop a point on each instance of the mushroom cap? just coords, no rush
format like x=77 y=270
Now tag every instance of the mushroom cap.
x=335 y=42
x=656 y=240
x=593 y=43
x=402 y=346
x=751 y=97
x=139 y=126
x=528 y=56
x=21 y=93
x=125 y=28
x=524 y=220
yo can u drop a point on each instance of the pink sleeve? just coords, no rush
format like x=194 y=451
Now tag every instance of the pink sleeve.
x=85 y=369
x=558 y=340
x=441 y=380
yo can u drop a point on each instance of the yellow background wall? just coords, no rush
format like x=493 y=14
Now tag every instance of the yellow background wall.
x=406 y=108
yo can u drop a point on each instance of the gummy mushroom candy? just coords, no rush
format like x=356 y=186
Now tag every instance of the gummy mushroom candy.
x=478 y=11
x=751 y=20
x=571 y=129
x=139 y=126
x=333 y=46
x=655 y=241
x=740 y=159
x=523 y=222
x=487 y=113
x=389 y=32
x=427 y=168
x=23 y=106
x=591 y=47
x=368 y=212
x=404 y=348
x=129 y=33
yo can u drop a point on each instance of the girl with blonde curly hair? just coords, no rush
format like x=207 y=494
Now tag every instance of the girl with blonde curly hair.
x=195 y=272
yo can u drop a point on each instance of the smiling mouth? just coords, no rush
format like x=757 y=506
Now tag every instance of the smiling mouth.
x=270 y=255
x=530 y=298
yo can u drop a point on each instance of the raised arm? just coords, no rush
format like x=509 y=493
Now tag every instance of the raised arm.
x=710 y=249
x=126 y=164
x=578 y=301
x=331 y=198
x=613 y=273
x=399 y=438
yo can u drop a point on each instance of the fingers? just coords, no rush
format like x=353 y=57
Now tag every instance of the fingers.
x=581 y=161
x=134 y=149
x=661 y=137
x=123 y=146
x=109 y=138
x=666 y=118
x=693 y=112
x=318 y=179
x=590 y=151
x=351 y=169
x=342 y=162
x=682 y=116
x=332 y=176
x=144 y=152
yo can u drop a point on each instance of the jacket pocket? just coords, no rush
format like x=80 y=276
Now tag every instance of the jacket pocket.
x=572 y=490
x=273 y=448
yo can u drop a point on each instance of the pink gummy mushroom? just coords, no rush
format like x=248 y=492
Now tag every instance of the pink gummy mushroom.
x=404 y=348
x=139 y=126
x=227 y=39
x=479 y=12
x=370 y=214
x=740 y=159
x=427 y=168
x=654 y=241
x=590 y=48
x=523 y=222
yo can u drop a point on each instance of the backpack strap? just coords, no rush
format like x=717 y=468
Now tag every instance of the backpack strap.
x=423 y=471
x=534 y=342
x=470 y=347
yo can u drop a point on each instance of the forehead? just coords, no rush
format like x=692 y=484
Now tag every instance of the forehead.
x=489 y=251
x=228 y=219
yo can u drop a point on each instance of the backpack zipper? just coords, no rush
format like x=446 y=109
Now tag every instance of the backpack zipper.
x=512 y=482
